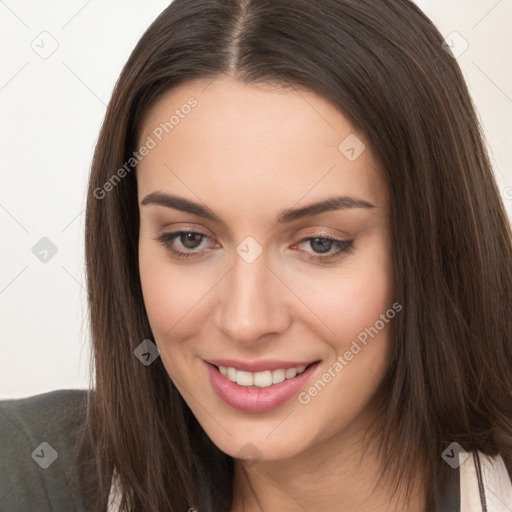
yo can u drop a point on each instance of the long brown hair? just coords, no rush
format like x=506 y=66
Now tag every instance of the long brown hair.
x=383 y=64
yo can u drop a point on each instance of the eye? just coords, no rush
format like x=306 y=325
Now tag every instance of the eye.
x=189 y=244
x=190 y=241
x=323 y=247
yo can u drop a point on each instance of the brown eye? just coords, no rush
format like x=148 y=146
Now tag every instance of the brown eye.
x=191 y=240
x=188 y=245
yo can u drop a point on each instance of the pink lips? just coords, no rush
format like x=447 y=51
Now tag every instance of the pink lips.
x=255 y=399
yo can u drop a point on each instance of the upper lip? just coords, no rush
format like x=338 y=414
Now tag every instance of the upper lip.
x=258 y=366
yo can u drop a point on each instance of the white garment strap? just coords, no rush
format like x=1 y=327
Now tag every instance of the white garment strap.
x=114 y=498
x=496 y=483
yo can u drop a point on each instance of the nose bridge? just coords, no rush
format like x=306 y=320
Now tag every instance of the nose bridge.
x=250 y=304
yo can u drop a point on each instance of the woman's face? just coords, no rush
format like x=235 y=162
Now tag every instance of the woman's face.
x=252 y=278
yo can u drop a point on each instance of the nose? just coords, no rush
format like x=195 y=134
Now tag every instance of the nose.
x=251 y=302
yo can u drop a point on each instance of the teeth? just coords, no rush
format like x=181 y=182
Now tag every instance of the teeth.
x=260 y=379
x=231 y=374
x=244 y=378
x=278 y=376
x=290 y=373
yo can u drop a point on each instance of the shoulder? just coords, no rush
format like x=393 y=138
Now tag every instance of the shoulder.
x=52 y=406
x=485 y=478
x=39 y=442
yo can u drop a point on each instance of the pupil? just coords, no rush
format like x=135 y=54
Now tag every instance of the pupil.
x=322 y=244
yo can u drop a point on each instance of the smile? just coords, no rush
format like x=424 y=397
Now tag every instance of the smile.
x=261 y=390
x=260 y=379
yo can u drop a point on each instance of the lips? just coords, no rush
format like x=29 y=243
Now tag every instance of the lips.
x=255 y=399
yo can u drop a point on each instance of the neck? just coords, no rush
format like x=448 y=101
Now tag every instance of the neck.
x=335 y=474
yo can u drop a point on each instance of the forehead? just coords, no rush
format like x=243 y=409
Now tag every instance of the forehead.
x=225 y=141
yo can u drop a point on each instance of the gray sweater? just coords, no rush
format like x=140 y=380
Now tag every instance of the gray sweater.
x=38 y=454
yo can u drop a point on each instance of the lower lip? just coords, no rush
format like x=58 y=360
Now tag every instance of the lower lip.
x=254 y=399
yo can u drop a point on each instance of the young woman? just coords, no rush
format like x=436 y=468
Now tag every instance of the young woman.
x=299 y=269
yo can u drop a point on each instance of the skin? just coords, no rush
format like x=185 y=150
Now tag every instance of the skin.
x=248 y=153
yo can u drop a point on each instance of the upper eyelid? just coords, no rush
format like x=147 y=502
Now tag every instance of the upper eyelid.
x=316 y=232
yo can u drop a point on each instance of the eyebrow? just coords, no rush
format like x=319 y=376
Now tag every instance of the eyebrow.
x=286 y=216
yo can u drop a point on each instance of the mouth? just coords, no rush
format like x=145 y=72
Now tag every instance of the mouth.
x=262 y=390
x=261 y=379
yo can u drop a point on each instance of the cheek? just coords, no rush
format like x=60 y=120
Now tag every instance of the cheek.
x=346 y=300
x=176 y=300
x=360 y=310
x=167 y=293
x=352 y=312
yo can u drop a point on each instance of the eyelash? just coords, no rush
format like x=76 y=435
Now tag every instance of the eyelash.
x=167 y=239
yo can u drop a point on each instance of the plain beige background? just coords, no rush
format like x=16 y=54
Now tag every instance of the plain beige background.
x=59 y=62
